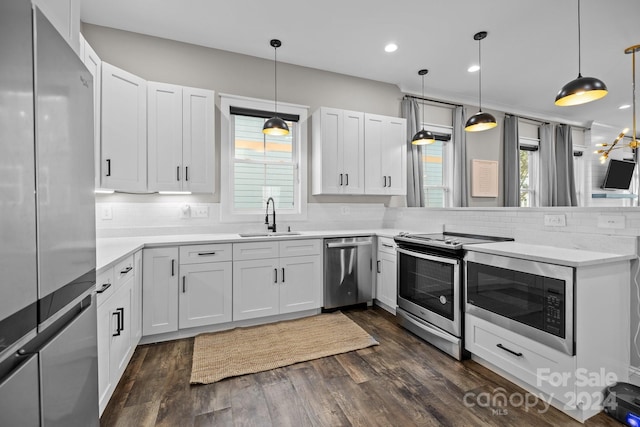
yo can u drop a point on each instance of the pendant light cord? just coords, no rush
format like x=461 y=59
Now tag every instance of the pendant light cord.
x=480 y=76
x=275 y=73
x=579 y=44
x=422 y=124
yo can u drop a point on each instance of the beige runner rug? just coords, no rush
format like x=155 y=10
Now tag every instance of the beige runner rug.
x=253 y=349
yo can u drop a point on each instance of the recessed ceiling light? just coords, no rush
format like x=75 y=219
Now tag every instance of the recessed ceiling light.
x=391 y=47
x=624 y=107
x=473 y=68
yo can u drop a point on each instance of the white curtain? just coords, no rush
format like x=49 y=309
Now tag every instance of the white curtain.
x=460 y=191
x=548 y=184
x=415 y=195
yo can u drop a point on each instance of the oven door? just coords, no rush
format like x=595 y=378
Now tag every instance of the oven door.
x=429 y=288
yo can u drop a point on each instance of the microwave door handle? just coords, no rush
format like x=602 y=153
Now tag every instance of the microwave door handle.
x=436 y=258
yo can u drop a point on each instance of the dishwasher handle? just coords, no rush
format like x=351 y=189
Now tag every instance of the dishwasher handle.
x=348 y=244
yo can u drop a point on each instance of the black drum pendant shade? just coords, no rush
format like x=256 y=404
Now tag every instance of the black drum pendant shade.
x=275 y=125
x=423 y=137
x=582 y=89
x=481 y=120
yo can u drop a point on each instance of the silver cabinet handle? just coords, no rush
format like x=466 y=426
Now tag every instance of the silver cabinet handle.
x=108 y=167
x=206 y=253
x=389 y=180
x=126 y=270
x=173 y=267
x=184 y=284
x=117 y=314
x=275 y=277
x=378 y=266
x=387 y=245
x=340 y=179
x=282 y=274
x=346 y=175
x=385 y=181
x=177 y=173
x=186 y=173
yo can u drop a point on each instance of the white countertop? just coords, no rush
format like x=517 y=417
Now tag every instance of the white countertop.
x=109 y=250
x=548 y=254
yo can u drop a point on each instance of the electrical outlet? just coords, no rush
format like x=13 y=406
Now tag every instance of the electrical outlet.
x=611 y=221
x=555 y=220
x=200 y=212
x=345 y=210
x=185 y=211
x=106 y=213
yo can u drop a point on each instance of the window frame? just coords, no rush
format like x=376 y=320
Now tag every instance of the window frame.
x=227 y=159
x=447 y=164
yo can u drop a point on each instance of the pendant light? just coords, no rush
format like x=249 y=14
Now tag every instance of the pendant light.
x=423 y=137
x=275 y=125
x=582 y=89
x=480 y=121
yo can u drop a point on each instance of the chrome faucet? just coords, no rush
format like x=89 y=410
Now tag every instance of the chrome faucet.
x=266 y=217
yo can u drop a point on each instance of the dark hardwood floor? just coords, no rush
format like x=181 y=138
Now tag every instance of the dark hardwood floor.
x=401 y=382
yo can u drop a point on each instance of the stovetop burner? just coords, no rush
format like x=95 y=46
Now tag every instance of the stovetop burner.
x=448 y=241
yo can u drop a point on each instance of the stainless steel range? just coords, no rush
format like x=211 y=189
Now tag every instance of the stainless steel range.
x=430 y=274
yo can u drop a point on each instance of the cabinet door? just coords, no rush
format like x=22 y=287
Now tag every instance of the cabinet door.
x=255 y=288
x=65 y=17
x=375 y=179
x=120 y=347
x=136 y=308
x=386 y=291
x=105 y=330
x=198 y=140
x=300 y=283
x=94 y=64
x=205 y=294
x=394 y=159
x=159 y=290
x=328 y=126
x=164 y=127
x=124 y=130
x=353 y=153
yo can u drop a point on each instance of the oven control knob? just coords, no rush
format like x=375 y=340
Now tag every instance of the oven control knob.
x=443 y=299
x=455 y=242
x=447 y=241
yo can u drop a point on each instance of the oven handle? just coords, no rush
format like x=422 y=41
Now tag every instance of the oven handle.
x=452 y=261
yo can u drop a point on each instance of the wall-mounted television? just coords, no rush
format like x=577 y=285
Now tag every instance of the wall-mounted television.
x=619 y=174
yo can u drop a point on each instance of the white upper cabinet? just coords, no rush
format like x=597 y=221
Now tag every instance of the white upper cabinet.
x=123 y=163
x=94 y=64
x=180 y=138
x=338 y=152
x=65 y=17
x=385 y=155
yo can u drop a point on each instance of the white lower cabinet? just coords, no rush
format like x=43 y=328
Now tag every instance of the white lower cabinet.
x=186 y=287
x=265 y=284
x=205 y=294
x=386 y=278
x=118 y=319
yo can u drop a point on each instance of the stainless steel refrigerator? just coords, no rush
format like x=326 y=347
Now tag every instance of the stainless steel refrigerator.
x=48 y=353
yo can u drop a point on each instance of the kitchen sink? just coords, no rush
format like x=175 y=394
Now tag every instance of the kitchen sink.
x=265 y=234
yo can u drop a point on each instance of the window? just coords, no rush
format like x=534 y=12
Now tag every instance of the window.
x=255 y=166
x=437 y=167
x=529 y=171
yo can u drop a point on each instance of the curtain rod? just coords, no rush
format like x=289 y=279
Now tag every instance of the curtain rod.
x=531 y=119
x=432 y=100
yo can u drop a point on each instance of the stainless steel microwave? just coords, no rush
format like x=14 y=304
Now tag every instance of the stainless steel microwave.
x=534 y=299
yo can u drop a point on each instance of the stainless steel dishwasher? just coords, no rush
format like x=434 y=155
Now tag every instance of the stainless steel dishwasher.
x=348 y=266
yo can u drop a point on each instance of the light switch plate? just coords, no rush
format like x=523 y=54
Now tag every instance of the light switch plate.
x=555 y=220
x=106 y=212
x=611 y=221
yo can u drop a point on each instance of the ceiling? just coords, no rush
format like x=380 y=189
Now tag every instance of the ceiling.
x=530 y=52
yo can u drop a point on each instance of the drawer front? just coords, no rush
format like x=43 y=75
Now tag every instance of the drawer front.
x=123 y=271
x=198 y=254
x=386 y=244
x=544 y=368
x=104 y=285
x=255 y=250
x=300 y=247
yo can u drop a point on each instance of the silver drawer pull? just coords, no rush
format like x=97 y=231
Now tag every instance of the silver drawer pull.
x=104 y=287
x=126 y=270
x=206 y=253
x=515 y=353
x=387 y=245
